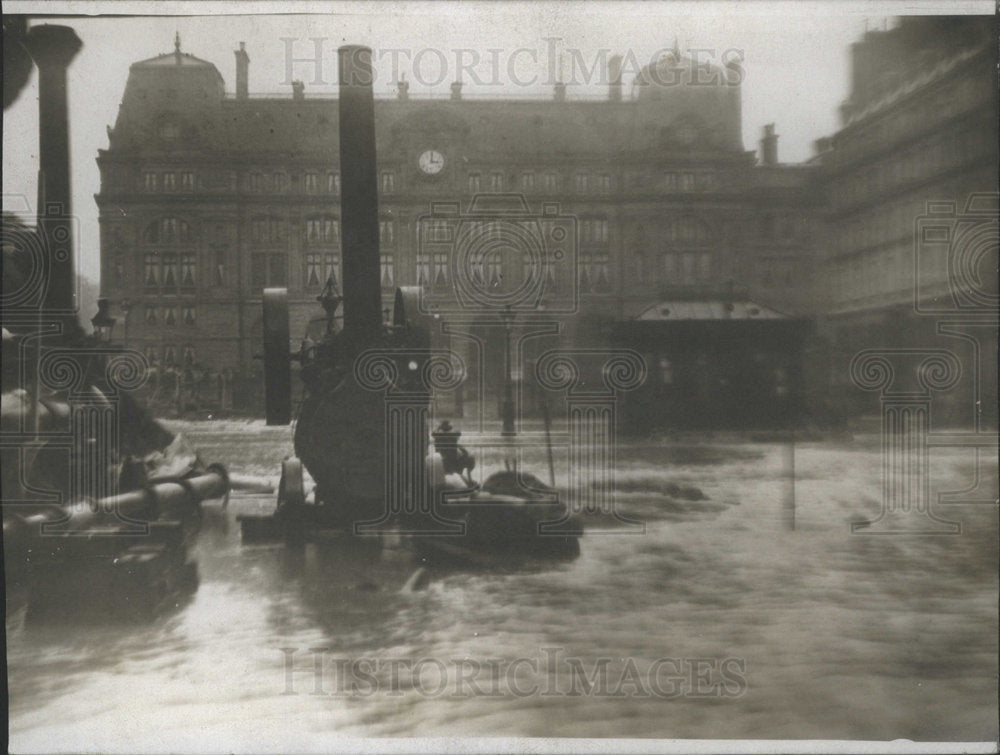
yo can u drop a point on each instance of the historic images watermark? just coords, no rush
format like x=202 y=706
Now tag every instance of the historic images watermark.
x=60 y=445
x=319 y=672
x=312 y=60
x=498 y=254
x=31 y=257
x=955 y=253
x=494 y=269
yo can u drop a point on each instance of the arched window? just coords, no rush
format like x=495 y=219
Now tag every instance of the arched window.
x=594 y=230
x=266 y=229
x=169 y=129
x=638 y=266
x=168 y=230
x=321 y=268
x=322 y=229
x=386 y=232
x=689 y=231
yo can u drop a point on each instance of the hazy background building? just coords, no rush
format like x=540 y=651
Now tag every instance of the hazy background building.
x=905 y=254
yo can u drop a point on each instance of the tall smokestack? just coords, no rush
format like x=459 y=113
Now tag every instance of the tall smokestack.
x=53 y=48
x=769 y=146
x=242 y=72
x=359 y=195
x=615 y=78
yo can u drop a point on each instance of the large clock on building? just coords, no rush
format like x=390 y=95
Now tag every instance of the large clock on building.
x=431 y=162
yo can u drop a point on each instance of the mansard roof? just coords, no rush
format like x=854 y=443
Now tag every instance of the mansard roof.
x=175 y=58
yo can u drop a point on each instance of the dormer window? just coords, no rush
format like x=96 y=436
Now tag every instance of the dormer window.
x=169 y=130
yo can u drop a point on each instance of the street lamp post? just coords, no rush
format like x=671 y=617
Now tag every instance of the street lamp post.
x=126 y=307
x=103 y=322
x=507 y=317
x=330 y=299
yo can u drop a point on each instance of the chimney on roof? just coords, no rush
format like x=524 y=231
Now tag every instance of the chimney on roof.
x=298 y=90
x=456 y=90
x=403 y=89
x=769 y=146
x=615 y=78
x=242 y=72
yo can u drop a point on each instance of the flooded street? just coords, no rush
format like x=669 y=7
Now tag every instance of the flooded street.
x=717 y=622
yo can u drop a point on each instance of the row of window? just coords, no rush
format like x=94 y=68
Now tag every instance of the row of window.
x=918 y=163
x=170 y=355
x=490 y=271
x=441 y=230
x=677 y=268
x=313 y=182
x=170 y=270
x=529 y=181
x=686 y=180
x=170 y=316
x=888 y=222
x=431 y=269
x=271 y=270
x=168 y=180
x=168 y=231
x=875 y=273
x=493 y=182
x=926 y=111
x=327 y=231
x=592 y=230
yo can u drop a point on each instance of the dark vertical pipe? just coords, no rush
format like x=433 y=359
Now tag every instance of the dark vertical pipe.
x=359 y=195
x=53 y=48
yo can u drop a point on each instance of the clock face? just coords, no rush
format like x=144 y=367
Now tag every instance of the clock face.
x=431 y=162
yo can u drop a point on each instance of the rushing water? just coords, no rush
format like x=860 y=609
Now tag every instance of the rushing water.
x=811 y=633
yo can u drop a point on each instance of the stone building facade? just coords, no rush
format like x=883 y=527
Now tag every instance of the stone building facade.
x=910 y=185
x=207 y=197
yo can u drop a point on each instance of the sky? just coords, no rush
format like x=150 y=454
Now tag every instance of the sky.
x=795 y=59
